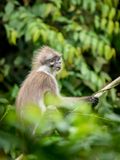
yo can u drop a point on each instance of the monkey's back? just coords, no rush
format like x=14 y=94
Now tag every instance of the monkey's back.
x=34 y=87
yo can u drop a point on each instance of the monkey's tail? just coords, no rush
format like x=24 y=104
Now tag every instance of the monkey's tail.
x=111 y=85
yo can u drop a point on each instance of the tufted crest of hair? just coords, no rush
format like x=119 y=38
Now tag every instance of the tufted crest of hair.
x=41 y=55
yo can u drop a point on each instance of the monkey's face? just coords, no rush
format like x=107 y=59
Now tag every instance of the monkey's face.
x=55 y=63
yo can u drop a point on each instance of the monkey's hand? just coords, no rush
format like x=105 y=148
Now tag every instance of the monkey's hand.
x=93 y=100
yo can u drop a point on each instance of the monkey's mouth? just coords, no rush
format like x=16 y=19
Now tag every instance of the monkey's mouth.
x=58 y=68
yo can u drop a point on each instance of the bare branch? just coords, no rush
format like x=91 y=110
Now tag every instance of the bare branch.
x=111 y=85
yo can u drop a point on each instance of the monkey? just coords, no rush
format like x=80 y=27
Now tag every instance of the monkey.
x=46 y=63
x=40 y=81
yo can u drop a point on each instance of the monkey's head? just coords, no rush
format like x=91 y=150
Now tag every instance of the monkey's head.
x=49 y=58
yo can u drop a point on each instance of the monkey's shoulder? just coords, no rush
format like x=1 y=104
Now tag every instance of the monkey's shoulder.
x=41 y=77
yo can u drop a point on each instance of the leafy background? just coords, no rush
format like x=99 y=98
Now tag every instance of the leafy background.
x=87 y=34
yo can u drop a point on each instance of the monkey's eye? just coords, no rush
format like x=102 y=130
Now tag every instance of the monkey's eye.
x=52 y=62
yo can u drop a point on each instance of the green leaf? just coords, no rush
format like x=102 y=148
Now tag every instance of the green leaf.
x=112 y=13
x=107 y=52
x=103 y=23
x=13 y=36
x=110 y=27
x=113 y=117
x=105 y=10
x=36 y=35
x=9 y=8
x=3 y=101
x=97 y=21
x=14 y=91
x=117 y=27
x=92 y=6
x=94 y=44
x=100 y=48
x=60 y=37
x=6 y=70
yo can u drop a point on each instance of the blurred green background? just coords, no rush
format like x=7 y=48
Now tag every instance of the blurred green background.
x=87 y=34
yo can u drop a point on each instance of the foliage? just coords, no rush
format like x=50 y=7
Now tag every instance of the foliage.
x=87 y=35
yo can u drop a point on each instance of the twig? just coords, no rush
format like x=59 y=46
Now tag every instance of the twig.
x=111 y=85
x=20 y=157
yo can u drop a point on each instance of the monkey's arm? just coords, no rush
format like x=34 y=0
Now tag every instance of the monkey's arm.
x=68 y=102
x=74 y=100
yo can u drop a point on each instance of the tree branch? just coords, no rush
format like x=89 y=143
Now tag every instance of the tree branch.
x=111 y=85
